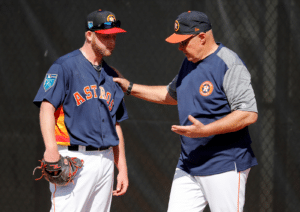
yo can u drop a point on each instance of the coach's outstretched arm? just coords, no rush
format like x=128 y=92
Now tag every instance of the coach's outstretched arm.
x=156 y=94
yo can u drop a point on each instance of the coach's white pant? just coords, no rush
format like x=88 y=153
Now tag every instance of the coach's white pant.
x=223 y=192
x=93 y=184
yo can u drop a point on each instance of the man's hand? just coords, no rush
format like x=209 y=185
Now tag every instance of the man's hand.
x=122 y=184
x=52 y=156
x=195 y=130
x=233 y=122
x=124 y=83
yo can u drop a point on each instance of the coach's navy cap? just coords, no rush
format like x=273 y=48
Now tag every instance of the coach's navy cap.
x=188 y=24
x=103 y=22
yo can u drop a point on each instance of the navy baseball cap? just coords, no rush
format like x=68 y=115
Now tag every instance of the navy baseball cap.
x=188 y=24
x=103 y=22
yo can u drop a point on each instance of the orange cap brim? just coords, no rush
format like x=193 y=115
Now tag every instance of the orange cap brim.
x=176 y=38
x=111 y=31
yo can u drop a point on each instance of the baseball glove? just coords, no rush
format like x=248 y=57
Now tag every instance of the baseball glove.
x=61 y=172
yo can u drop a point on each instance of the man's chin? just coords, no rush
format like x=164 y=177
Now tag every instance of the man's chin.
x=189 y=58
x=107 y=53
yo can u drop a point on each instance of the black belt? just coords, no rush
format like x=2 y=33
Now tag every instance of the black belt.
x=87 y=148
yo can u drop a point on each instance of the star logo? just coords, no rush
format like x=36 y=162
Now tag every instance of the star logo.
x=206 y=88
x=111 y=18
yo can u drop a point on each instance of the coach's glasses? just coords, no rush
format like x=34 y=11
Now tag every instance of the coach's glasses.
x=106 y=25
x=185 y=42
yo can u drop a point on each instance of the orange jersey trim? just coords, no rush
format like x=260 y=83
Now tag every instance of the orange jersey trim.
x=61 y=134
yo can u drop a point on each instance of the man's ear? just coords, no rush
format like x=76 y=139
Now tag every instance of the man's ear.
x=202 y=37
x=89 y=36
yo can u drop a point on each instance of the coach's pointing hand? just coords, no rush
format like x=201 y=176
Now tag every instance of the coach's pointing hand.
x=195 y=130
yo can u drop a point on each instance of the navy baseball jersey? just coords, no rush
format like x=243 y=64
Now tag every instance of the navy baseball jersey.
x=75 y=88
x=209 y=90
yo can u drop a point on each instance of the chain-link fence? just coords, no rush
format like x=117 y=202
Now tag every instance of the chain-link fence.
x=264 y=33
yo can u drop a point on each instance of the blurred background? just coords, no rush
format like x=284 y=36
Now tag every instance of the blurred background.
x=264 y=33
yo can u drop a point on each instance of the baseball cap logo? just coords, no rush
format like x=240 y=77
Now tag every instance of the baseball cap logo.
x=111 y=18
x=176 y=26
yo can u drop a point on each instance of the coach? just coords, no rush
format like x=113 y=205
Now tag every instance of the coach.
x=216 y=103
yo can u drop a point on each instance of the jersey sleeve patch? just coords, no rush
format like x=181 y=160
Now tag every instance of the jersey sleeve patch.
x=49 y=82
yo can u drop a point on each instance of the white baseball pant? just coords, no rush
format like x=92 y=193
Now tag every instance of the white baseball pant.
x=223 y=192
x=93 y=184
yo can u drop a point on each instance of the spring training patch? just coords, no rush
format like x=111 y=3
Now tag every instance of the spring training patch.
x=49 y=82
x=90 y=24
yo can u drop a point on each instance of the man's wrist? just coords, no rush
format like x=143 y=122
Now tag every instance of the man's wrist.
x=129 y=88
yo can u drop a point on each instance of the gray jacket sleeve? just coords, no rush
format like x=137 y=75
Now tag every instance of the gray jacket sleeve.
x=238 y=89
